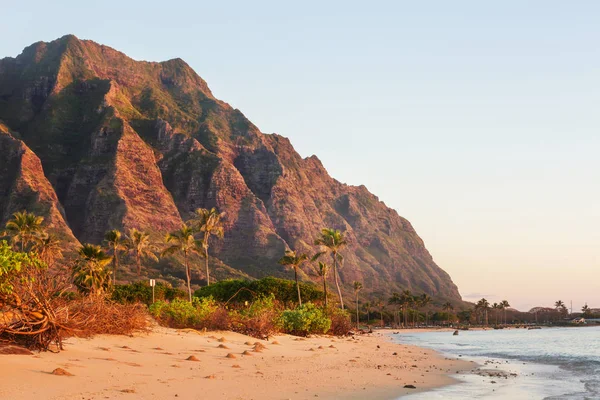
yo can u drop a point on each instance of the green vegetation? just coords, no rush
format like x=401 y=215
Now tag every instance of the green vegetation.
x=208 y=223
x=141 y=292
x=179 y=313
x=295 y=261
x=304 y=320
x=116 y=243
x=240 y=291
x=183 y=241
x=89 y=274
x=332 y=241
x=138 y=244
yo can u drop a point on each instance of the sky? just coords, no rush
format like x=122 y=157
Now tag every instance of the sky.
x=477 y=121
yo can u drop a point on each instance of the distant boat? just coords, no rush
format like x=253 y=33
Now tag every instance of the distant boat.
x=534 y=327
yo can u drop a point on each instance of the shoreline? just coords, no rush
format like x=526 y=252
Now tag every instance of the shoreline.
x=507 y=374
x=154 y=365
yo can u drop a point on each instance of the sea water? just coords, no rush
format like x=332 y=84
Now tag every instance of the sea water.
x=549 y=363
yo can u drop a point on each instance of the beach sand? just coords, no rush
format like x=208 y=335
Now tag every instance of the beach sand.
x=225 y=365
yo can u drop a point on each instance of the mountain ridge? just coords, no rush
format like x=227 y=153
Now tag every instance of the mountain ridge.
x=127 y=143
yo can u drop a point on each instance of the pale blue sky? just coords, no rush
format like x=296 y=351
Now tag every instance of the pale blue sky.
x=477 y=121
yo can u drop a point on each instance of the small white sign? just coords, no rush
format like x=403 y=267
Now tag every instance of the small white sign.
x=152 y=282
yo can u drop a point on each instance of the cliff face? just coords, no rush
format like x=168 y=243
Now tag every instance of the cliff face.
x=127 y=143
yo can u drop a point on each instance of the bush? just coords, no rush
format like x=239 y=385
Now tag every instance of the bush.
x=259 y=319
x=240 y=291
x=340 y=321
x=141 y=292
x=199 y=314
x=305 y=320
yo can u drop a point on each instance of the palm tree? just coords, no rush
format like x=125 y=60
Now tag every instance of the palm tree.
x=139 y=245
x=323 y=271
x=586 y=310
x=560 y=307
x=116 y=243
x=183 y=241
x=48 y=247
x=406 y=300
x=208 y=223
x=424 y=301
x=381 y=305
x=90 y=274
x=559 y=304
x=293 y=260
x=396 y=299
x=448 y=307
x=357 y=288
x=368 y=306
x=334 y=241
x=483 y=305
x=505 y=305
x=496 y=307
x=23 y=228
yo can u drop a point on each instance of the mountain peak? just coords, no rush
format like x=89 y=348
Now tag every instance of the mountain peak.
x=136 y=144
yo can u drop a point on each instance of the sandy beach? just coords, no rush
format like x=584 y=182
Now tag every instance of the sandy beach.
x=226 y=365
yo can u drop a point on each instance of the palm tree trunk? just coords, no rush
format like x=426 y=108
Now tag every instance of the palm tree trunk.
x=357 y=324
x=335 y=277
x=187 y=275
x=325 y=290
x=206 y=261
x=138 y=261
x=297 y=286
x=116 y=266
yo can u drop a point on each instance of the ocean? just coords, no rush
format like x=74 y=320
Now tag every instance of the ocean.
x=549 y=363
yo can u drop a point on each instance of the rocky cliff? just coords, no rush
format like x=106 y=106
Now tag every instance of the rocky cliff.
x=127 y=143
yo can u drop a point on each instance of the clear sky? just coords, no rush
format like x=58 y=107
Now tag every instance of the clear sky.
x=476 y=120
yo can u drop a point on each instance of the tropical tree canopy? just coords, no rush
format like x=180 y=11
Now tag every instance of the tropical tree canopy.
x=23 y=228
x=90 y=274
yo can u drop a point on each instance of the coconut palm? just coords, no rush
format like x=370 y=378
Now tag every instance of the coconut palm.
x=406 y=300
x=115 y=241
x=90 y=274
x=496 y=307
x=357 y=288
x=138 y=243
x=48 y=247
x=183 y=241
x=424 y=301
x=295 y=261
x=368 y=306
x=396 y=299
x=483 y=306
x=23 y=228
x=333 y=240
x=323 y=271
x=207 y=223
x=448 y=307
x=586 y=310
x=505 y=305
x=381 y=304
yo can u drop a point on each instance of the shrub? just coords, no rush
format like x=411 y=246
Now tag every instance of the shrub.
x=340 y=321
x=141 y=292
x=259 y=319
x=240 y=291
x=200 y=314
x=305 y=320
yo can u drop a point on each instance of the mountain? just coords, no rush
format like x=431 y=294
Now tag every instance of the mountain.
x=95 y=140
